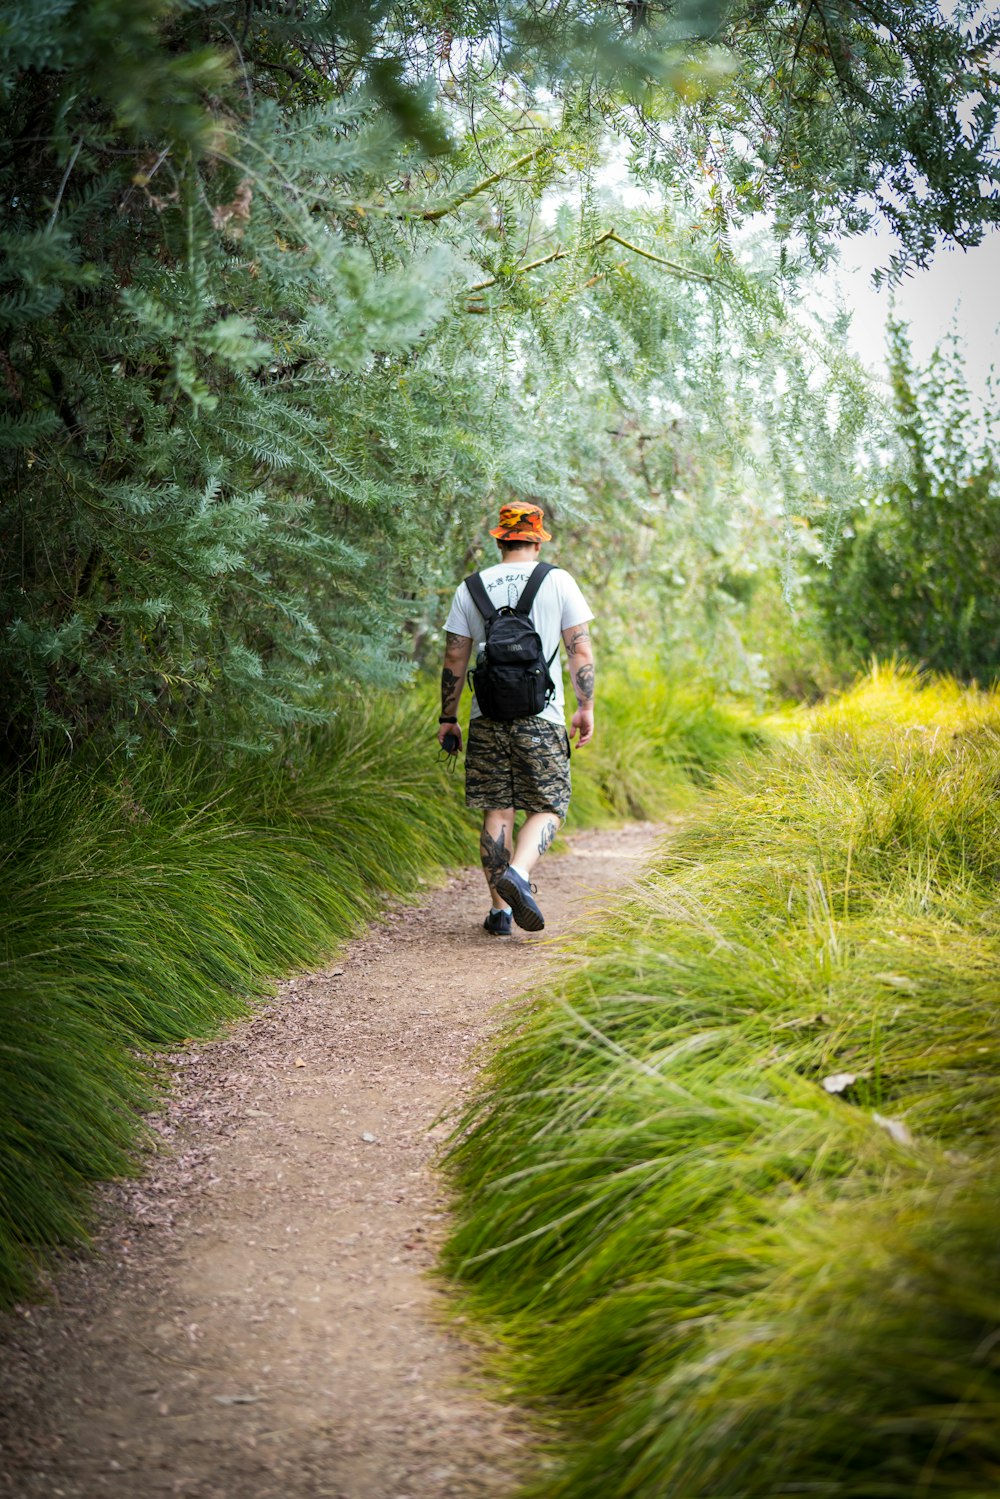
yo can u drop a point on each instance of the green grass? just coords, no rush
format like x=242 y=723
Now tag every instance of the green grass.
x=152 y=904
x=710 y=1276
x=144 y=910
x=659 y=740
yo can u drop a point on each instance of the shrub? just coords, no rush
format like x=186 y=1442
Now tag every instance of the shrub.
x=916 y=577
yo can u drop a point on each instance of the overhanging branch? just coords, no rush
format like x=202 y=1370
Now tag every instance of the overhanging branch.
x=671 y=265
x=431 y=215
x=610 y=236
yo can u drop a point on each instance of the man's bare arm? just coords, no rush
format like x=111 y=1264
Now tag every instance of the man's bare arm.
x=458 y=649
x=580 y=651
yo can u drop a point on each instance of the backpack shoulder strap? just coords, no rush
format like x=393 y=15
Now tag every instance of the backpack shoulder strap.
x=534 y=583
x=480 y=597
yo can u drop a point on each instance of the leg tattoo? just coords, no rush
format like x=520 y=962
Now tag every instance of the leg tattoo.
x=548 y=833
x=494 y=855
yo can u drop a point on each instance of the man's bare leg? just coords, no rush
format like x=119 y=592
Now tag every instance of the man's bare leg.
x=535 y=837
x=496 y=842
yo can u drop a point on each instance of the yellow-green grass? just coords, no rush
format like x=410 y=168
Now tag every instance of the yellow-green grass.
x=710 y=1275
x=659 y=740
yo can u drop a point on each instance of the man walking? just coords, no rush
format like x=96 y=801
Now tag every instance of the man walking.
x=517 y=763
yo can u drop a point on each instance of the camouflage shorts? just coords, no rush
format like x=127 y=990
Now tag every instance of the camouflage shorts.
x=524 y=764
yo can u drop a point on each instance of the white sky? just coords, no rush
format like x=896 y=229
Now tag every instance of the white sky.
x=960 y=287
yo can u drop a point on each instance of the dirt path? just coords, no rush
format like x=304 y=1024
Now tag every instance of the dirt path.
x=259 y=1325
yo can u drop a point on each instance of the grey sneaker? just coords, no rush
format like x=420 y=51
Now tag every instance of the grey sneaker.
x=498 y=924
x=519 y=892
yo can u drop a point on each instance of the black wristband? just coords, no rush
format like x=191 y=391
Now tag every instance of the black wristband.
x=447 y=720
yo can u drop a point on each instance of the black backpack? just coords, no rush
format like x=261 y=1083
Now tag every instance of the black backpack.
x=511 y=679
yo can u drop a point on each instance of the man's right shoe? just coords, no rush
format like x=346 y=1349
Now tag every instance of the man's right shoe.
x=516 y=891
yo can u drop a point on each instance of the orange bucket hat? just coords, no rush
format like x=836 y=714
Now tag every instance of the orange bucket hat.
x=521 y=523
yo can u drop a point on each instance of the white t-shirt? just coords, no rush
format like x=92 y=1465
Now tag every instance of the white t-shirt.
x=558 y=606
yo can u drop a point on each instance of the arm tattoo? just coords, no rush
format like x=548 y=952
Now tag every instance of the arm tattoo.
x=493 y=855
x=451 y=690
x=578 y=638
x=455 y=642
x=548 y=833
x=583 y=680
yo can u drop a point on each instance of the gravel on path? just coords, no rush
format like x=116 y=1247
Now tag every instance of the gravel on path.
x=258 y=1322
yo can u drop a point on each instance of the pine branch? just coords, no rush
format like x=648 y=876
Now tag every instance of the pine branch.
x=65 y=178
x=431 y=215
x=533 y=265
x=671 y=265
x=610 y=236
x=484 y=307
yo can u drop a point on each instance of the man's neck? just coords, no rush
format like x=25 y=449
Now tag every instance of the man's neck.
x=520 y=554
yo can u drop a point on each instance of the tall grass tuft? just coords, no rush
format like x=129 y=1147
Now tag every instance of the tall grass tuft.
x=729 y=1194
x=659 y=740
x=147 y=909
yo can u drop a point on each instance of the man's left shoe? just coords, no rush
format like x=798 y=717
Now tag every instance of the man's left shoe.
x=498 y=924
x=517 y=890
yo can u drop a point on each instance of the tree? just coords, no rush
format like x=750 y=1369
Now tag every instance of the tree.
x=837 y=111
x=823 y=113
x=918 y=573
x=272 y=280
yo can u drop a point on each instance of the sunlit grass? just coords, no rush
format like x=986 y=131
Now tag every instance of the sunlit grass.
x=725 y=1279
x=658 y=741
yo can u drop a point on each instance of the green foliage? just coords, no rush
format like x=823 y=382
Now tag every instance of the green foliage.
x=821 y=114
x=917 y=574
x=836 y=112
x=189 y=381
x=289 y=305
x=799 y=661
x=720 y=1276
